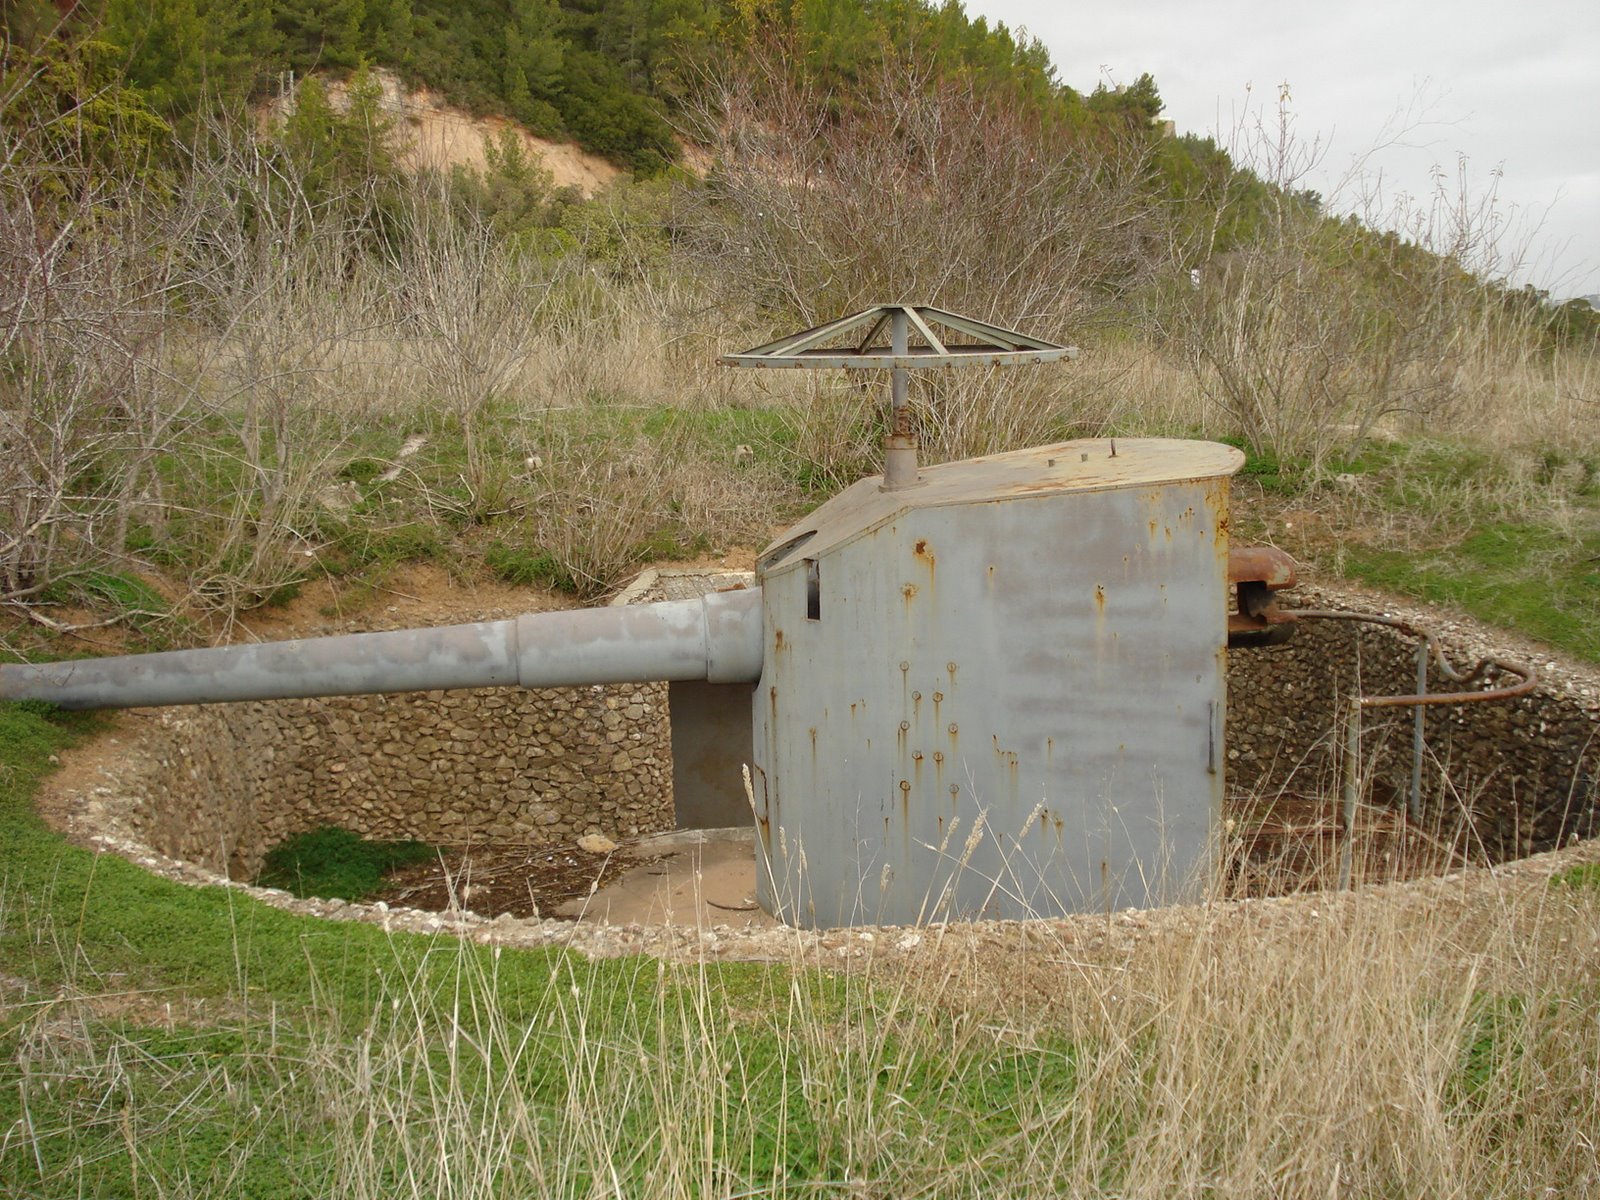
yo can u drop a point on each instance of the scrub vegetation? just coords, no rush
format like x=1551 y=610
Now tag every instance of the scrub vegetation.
x=240 y=351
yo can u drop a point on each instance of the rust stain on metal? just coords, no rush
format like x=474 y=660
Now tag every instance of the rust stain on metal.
x=1257 y=574
x=763 y=812
x=1264 y=564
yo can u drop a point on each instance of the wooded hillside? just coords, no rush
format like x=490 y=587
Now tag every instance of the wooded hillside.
x=609 y=74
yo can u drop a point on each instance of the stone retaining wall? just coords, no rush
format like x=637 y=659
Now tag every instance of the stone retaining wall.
x=220 y=785
x=1521 y=775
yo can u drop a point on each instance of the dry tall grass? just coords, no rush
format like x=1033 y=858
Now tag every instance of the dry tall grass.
x=1443 y=1042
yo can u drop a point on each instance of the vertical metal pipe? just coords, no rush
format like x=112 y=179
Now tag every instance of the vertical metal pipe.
x=899 y=376
x=900 y=448
x=1352 y=774
x=1415 y=808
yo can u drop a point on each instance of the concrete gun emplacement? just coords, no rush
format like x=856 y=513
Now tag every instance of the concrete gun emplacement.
x=998 y=690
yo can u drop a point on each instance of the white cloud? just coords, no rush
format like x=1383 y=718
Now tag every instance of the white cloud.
x=1514 y=88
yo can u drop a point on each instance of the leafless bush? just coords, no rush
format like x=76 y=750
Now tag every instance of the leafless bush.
x=929 y=193
x=608 y=496
x=1318 y=329
x=470 y=309
x=271 y=277
x=88 y=265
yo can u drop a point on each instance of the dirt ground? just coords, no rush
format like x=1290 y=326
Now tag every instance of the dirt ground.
x=521 y=880
x=687 y=877
x=1289 y=847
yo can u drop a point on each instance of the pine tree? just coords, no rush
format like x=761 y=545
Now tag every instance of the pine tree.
x=320 y=33
x=386 y=30
x=537 y=26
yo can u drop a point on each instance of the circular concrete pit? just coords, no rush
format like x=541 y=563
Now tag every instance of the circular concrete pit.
x=217 y=786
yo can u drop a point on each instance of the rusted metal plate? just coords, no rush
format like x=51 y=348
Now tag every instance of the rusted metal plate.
x=998 y=693
x=1088 y=465
x=1262 y=564
x=1257 y=574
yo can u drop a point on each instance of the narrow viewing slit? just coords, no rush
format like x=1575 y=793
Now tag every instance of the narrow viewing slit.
x=813 y=591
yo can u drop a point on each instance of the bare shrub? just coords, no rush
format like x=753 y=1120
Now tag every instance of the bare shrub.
x=925 y=192
x=470 y=304
x=607 y=496
x=1318 y=329
x=89 y=258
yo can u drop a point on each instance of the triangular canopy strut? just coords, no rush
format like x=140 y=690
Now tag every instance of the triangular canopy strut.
x=981 y=345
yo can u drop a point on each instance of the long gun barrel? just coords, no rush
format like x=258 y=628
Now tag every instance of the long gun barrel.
x=716 y=638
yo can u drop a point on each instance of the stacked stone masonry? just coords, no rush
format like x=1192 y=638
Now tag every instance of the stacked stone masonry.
x=1515 y=777
x=222 y=784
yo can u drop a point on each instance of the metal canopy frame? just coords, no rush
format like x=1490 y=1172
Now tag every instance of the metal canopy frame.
x=986 y=344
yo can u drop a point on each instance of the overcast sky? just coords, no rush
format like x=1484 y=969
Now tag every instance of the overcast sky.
x=1514 y=87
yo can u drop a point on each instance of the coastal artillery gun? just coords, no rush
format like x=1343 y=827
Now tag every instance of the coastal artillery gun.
x=993 y=687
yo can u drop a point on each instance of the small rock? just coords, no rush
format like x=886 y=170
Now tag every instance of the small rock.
x=596 y=843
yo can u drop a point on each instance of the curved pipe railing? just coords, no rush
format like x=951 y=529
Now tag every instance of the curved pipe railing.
x=1429 y=649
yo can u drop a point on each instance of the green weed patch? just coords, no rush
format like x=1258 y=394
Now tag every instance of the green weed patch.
x=1521 y=576
x=336 y=863
x=1584 y=875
